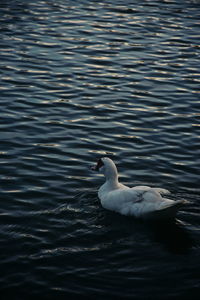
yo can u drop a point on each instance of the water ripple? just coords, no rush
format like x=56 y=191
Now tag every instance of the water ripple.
x=79 y=81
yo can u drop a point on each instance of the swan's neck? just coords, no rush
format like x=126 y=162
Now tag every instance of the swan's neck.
x=111 y=175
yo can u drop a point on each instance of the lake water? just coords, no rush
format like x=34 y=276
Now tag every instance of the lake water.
x=86 y=79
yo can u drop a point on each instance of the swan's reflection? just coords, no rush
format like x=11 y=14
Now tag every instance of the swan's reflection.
x=173 y=235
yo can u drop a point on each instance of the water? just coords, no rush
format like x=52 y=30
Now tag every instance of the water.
x=81 y=80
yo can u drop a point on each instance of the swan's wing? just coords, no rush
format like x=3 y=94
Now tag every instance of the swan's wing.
x=121 y=198
x=148 y=188
x=161 y=191
x=141 y=202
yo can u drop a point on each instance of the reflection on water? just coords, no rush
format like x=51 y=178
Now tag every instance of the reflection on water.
x=82 y=80
x=173 y=236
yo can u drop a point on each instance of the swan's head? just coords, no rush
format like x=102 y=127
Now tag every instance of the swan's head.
x=107 y=166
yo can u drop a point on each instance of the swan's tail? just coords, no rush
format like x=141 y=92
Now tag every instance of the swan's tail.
x=169 y=211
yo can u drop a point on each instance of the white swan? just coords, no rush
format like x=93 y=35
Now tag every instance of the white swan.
x=139 y=201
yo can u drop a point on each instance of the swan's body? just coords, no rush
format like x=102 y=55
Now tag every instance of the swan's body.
x=139 y=201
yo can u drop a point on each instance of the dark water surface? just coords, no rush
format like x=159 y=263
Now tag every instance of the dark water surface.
x=80 y=80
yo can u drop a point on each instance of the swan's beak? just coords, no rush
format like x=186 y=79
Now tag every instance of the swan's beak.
x=93 y=168
x=98 y=165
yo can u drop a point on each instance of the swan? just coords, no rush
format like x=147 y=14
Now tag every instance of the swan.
x=138 y=201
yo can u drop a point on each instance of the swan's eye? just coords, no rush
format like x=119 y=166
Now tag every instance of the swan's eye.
x=99 y=164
